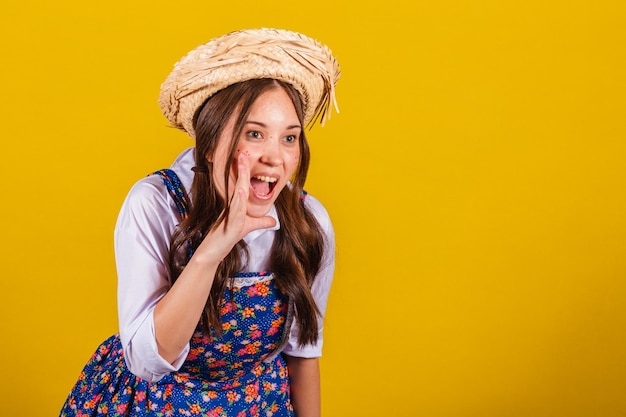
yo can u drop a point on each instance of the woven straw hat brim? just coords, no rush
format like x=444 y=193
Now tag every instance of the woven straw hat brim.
x=251 y=54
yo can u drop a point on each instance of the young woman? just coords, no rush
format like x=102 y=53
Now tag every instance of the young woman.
x=224 y=262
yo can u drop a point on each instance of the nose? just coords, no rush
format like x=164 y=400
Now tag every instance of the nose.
x=271 y=154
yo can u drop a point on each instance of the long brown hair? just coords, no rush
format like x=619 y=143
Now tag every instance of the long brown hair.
x=299 y=243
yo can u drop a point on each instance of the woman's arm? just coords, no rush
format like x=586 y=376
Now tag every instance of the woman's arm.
x=177 y=314
x=157 y=319
x=304 y=378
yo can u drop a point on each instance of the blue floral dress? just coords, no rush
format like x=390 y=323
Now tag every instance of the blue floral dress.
x=238 y=374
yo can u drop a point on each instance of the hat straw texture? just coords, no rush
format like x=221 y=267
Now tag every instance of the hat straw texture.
x=251 y=54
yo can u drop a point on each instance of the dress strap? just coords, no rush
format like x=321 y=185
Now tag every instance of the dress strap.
x=176 y=190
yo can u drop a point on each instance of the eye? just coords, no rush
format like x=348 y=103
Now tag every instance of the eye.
x=291 y=138
x=254 y=134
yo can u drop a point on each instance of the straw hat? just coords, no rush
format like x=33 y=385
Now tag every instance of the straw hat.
x=250 y=54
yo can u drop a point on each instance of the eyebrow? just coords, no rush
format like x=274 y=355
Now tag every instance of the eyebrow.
x=264 y=125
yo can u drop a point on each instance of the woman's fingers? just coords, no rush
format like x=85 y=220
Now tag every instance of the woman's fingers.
x=238 y=224
x=243 y=174
x=254 y=223
x=239 y=199
x=239 y=202
x=242 y=190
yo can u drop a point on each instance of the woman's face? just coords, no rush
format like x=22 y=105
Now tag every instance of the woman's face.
x=270 y=139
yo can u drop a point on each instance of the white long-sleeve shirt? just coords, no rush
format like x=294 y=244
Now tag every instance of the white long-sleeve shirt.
x=142 y=238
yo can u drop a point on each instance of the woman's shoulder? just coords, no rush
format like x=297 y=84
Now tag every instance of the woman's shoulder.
x=149 y=201
x=150 y=191
x=147 y=190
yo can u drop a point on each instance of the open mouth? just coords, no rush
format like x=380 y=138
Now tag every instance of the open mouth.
x=262 y=185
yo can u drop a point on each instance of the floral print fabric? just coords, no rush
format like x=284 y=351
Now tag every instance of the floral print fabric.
x=239 y=373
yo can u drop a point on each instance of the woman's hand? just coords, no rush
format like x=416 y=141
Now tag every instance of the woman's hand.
x=221 y=239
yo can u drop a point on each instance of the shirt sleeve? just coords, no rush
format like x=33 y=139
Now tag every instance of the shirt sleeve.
x=142 y=237
x=321 y=286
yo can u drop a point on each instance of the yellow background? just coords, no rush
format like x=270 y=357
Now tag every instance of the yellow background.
x=475 y=177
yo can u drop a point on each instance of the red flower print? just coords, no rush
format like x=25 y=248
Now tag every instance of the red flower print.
x=248 y=312
x=260 y=288
x=209 y=395
x=252 y=291
x=194 y=353
x=140 y=395
x=220 y=363
x=224 y=348
x=232 y=396
x=248 y=349
x=257 y=371
x=215 y=412
x=228 y=307
x=252 y=389
x=181 y=378
x=279 y=307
